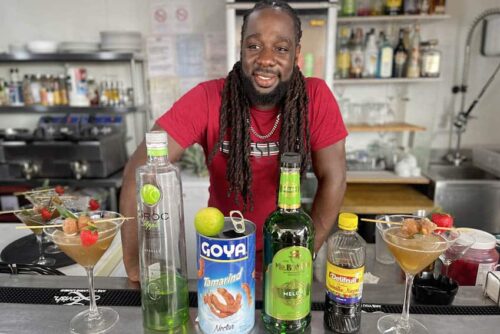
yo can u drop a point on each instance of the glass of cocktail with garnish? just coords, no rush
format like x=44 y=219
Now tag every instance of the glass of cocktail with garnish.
x=31 y=217
x=415 y=243
x=85 y=237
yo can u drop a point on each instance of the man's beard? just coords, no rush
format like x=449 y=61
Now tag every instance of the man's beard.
x=256 y=98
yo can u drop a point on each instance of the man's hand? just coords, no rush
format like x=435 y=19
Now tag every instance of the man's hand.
x=330 y=170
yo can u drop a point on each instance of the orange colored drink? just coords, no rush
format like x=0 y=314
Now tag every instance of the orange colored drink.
x=86 y=256
x=416 y=253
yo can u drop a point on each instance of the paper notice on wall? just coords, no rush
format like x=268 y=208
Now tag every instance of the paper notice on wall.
x=171 y=17
x=190 y=55
x=215 y=54
x=164 y=92
x=161 y=55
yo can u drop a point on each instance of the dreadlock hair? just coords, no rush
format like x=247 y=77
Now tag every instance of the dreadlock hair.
x=235 y=117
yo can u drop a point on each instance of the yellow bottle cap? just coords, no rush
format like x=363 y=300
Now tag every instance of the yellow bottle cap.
x=348 y=221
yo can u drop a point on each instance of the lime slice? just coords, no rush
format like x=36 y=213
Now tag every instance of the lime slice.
x=150 y=194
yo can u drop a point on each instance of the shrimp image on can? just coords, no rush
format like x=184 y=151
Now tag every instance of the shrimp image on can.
x=226 y=287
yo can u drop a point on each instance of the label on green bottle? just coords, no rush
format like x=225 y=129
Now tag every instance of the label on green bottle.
x=288 y=284
x=289 y=193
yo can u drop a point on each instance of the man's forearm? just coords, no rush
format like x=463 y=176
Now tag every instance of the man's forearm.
x=326 y=206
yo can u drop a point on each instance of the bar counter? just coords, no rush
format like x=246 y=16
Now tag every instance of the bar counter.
x=33 y=318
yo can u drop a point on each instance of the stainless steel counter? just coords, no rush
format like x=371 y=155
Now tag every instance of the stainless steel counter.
x=29 y=318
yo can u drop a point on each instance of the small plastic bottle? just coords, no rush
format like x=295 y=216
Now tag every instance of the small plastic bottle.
x=344 y=277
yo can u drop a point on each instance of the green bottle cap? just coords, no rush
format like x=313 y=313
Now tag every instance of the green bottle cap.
x=348 y=221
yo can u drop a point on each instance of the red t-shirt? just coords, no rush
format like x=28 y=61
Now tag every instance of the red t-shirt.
x=194 y=118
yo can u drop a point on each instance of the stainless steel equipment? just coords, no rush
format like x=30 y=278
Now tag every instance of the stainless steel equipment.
x=470 y=194
x=72 y=146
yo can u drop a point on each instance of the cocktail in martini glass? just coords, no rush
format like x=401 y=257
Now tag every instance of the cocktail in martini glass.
x=49 y=198
x=415 y=244
x=30 y=217
x=85 y=237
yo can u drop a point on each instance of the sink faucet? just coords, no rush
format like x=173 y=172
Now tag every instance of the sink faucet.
x=455 y=157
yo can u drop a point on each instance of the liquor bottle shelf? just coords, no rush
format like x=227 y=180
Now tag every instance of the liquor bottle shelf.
x=388 y=127
x=383 y=81
x=68 y=109
x=75 y=57
x=391 y=18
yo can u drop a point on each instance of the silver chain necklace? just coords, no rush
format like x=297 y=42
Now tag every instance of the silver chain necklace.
x=275 y=126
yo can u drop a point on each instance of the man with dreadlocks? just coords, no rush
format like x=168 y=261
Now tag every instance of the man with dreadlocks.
x=262 y=108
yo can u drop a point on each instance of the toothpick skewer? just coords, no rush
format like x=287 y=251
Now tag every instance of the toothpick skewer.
x=14 y=211
x=33 y=191
x=60 y=196
x=399 y=223
x=60 y=225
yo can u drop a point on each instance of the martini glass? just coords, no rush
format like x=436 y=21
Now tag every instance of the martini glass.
x=30 y=218
x=93 y=320
x=455 y=251
x=43 y=197
x=73 y=203
x=412 y=254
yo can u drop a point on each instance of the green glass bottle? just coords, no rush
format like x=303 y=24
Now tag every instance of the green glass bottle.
x=288 y=256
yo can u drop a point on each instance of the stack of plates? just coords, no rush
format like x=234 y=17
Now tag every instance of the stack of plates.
x=78 y=47
x=121 y=41
x=42 y=46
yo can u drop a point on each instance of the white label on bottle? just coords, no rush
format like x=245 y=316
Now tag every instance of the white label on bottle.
x=386 y=63
x=482 y=271
x=154 y=271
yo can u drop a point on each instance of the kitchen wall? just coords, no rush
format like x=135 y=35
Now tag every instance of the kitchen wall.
x=430 y=105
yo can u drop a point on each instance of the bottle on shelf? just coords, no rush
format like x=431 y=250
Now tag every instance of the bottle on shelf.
x=15 y=88
x=413 y=68
x=50 y=91
x=288 y=256
x=162 y=246
x=393 y=7
x=26 y=88
x=371 y=55
x=35 y=88
x=362 y=7
x=386 y=53
x=411 y=7
x=4 y=93
x=357 y=54
x=343 y=55
x=424 y=6
x=348 y=8
x=345 y=268
x=431 y=59
x=437 y=7
x=63 y=92
x=400 y=57
x=43 y=90
x=377 y=7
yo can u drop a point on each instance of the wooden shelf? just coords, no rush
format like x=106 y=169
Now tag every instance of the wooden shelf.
x=389 y=127
x=383 y=177
x=378 y=177
x=383 y=81
x=391 y=18
x=384 y=199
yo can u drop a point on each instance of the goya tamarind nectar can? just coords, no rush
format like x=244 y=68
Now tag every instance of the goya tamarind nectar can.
x=226 y=280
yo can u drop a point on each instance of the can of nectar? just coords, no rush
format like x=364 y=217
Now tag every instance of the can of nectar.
x=226 y=280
